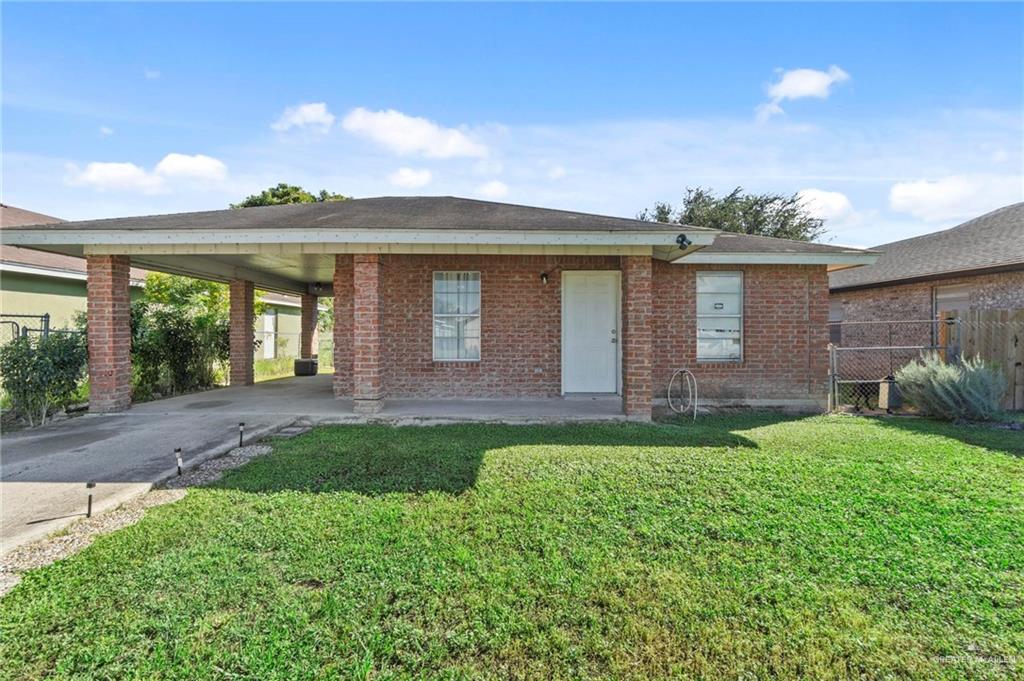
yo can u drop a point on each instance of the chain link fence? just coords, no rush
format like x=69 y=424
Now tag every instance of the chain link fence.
x=865 y=356
x=20 y=325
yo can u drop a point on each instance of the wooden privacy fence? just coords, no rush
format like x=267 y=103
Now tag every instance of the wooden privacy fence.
x=997 y=336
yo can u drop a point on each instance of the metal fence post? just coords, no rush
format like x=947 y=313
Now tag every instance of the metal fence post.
x=832 y=397
x=46 y=324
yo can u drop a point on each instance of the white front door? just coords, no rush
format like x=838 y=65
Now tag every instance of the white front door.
x=590 y=332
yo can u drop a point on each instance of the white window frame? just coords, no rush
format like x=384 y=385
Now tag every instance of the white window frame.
x=740 y=316
x=434 y=316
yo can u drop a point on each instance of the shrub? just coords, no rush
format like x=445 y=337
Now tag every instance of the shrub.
x=967 y=389
x=42 y=373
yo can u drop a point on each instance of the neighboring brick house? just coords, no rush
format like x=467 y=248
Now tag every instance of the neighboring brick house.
x=978 y=265
x=34 y=282
x=441 y=297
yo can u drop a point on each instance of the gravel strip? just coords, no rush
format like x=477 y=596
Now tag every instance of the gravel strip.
x=82 y=533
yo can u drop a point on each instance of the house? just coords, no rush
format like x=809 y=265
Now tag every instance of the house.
x=978 y=265
x=444 y=297
x=900 y=305
x=34 y=282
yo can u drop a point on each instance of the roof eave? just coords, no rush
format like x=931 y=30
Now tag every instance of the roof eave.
x=935 y=276
x=832 y=260
x=199 y=238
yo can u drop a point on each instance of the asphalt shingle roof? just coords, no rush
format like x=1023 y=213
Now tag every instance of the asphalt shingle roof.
x=730 y=242
x=390 y=212
x=995 y=239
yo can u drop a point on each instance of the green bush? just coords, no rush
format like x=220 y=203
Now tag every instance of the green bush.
x=966 y=389
x=40 y=374
x=175 y=349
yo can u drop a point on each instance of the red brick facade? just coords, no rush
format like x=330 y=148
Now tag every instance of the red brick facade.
x=110 y=335
x=785 y=336
x=367 y=320
x=383 y=330
x=240 y=294
x=307 y=328
x=1000 y=291
x=785 y=339
x=637 y=341
x=342 y=381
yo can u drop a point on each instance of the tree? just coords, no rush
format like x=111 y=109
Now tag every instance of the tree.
x=287 y=193
x=775 y=215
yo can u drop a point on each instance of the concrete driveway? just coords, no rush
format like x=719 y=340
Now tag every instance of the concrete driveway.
x=43 y=472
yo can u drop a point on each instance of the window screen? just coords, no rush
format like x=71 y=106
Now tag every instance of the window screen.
x=719 y=316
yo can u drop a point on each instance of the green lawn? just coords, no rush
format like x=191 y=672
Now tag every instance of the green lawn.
x=748 y=546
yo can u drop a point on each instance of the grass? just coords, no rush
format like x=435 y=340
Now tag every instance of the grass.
x=740 y=547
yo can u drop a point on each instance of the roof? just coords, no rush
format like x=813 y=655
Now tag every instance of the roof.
x=12 y=216
x=384 y=213
x=992 y=241
x=730 y=242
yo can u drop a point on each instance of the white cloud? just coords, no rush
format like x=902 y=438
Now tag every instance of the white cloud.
x=106 y=131
x=106 y=177
x=128 y=177
x=800 y=84
x=151 y=74
x=314 y=116
x=493 y=189
x=197 y=167
x=410 y=178
x=826 y=205
x=407 y=135
x=556 y=172
x=955 y=197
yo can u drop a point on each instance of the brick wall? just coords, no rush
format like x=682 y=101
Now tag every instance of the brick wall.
x=342 y=380
x=110 y=337
x=240 y=295
x=638 y=352
x=785 y=310
x=1001 y=291
x=520 y=345
x=307 y=325
x=367 y=317
x=901 y=304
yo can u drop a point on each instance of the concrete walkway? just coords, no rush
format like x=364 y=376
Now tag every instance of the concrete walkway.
x=43 y=472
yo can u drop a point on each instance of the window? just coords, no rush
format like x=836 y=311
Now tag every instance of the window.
x=719 y=316
x=835 y=322
x=948 y=301
x=456 y=316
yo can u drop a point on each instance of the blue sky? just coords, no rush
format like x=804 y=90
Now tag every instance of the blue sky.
x=891 y=120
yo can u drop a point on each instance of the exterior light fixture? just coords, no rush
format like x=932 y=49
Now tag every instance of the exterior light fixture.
x=544 y=277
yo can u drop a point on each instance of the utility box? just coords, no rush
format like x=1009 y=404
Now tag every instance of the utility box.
x=307 y=366
x=889 y=397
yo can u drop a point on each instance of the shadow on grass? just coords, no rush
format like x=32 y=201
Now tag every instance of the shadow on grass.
x=379 y=459
x=1002 y=440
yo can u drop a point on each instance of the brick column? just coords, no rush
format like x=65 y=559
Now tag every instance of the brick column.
x=342 y=326
x=637 y=350
x=307 y=336
x=367 y=306
x=240 y=295
x=108 y=309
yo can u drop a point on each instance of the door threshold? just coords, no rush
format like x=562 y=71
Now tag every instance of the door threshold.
x=591 y=396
